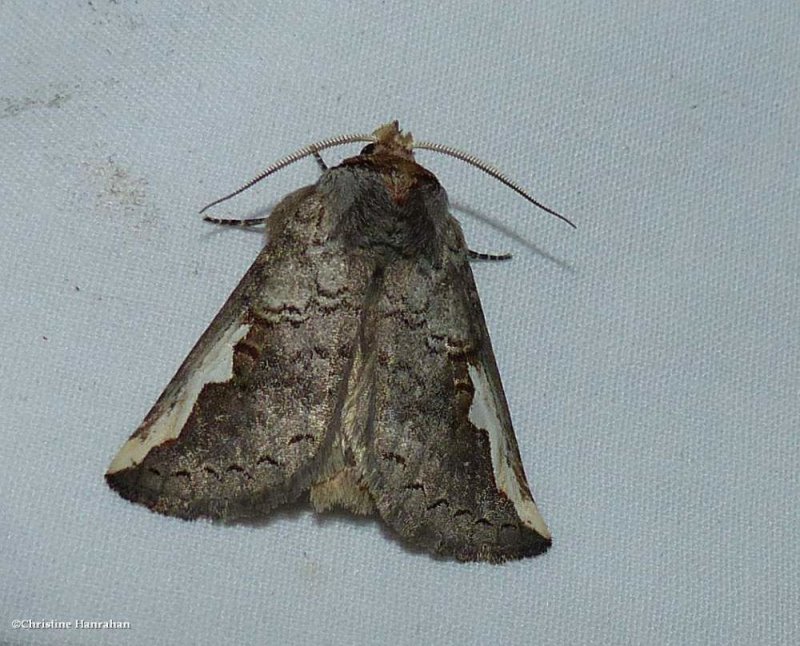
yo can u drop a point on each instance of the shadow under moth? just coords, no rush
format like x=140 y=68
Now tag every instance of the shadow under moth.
x=351 y=362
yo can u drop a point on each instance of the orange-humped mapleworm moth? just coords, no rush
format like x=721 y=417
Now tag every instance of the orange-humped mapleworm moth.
x=352 y=363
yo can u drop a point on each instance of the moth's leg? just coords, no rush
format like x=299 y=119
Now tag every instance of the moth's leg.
x=235 y=223
x=320 y=162
x=479 y=255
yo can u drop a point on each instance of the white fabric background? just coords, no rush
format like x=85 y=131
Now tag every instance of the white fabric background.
x=651 y=358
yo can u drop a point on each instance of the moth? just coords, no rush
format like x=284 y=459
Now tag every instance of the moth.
x=351 y=363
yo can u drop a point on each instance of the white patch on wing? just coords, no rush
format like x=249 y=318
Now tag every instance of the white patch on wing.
x=483 y=415
x=215 y=367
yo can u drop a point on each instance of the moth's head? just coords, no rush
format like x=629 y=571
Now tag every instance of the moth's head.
x=390 y=152
x=390 y=140
x=389 y=156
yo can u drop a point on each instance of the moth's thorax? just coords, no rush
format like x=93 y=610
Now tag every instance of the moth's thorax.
x=401 y=174
x=387 y=203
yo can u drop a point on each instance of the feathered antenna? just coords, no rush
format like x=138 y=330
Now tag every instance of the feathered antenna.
x=290 y=159
x=489 y=170
x=394 y=138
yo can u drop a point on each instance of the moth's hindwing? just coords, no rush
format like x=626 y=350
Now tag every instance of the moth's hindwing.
x=253 y=410
x=440 y=455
